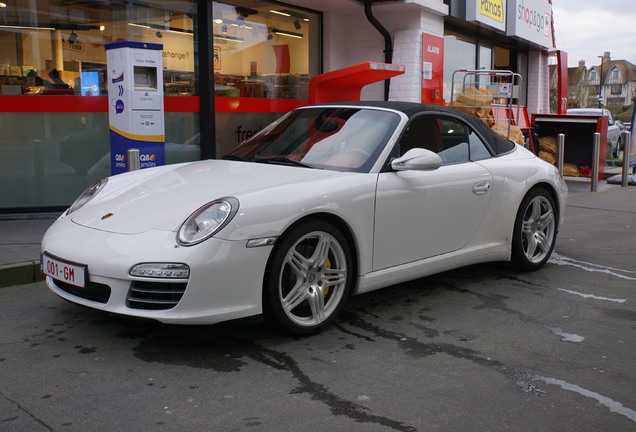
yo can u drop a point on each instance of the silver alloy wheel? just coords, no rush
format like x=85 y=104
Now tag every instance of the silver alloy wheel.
x=538 y=229
x=313 y=279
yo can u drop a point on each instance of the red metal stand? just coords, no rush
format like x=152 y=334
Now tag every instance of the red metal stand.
x=346 y=84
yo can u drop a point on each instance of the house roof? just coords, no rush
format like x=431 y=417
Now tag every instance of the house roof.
x=628 y=70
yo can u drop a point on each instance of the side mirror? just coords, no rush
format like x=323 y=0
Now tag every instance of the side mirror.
x=417 y=159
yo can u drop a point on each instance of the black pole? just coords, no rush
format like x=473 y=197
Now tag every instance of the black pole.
x=205 y=85
x=388 y=42
x=600 y=84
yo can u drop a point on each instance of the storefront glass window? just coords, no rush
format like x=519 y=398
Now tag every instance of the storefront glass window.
x=265 y=53
x=503 y=59
x=485 y=62
x=53 y=148
x=264 y=49
x=56 y=47
x=464 y=52
x=460 y=52
x=485 y=57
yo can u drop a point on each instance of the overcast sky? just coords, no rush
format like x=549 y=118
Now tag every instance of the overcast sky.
x=586 y=29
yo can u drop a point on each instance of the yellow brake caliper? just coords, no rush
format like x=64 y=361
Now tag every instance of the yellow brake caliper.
x=328 y=265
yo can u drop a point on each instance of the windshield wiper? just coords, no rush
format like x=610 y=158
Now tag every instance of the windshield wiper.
x=282 y=160
x=234 y=158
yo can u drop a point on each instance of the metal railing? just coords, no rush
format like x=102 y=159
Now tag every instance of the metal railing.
x=628 y=155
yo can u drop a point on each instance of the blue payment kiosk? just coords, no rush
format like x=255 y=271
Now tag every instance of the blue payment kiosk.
x=135 y=103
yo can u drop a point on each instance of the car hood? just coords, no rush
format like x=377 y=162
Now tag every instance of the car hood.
x=164 y=197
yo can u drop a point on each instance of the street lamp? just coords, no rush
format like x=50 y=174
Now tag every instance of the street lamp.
x=600 y=84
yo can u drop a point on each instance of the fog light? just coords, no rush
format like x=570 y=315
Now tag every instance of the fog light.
x=161 y=270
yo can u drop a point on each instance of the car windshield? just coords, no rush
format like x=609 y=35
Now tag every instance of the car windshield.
x=336 y=138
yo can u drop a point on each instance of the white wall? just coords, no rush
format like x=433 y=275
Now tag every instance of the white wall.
x=350 y=39
x=538 y=83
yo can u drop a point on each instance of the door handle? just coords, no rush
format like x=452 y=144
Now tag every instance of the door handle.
x=481 y=188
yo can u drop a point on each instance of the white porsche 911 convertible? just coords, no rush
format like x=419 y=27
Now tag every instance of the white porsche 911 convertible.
x=330 y=200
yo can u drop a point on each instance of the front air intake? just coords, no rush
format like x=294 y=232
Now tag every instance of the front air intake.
x=155 y=295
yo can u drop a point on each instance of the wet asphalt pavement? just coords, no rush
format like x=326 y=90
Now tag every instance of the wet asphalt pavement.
x=478 y=349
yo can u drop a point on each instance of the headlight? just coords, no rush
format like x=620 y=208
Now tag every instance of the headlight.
x=87 y=195
x=207 y=220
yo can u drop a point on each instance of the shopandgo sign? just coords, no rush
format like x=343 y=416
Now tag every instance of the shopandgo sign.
x=530 y=20
x=489 y=12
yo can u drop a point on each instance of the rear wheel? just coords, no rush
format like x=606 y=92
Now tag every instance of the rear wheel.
x=535 y=230
x=309 y=278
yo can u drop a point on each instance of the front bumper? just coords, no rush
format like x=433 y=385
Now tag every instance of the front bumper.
x=225 y=277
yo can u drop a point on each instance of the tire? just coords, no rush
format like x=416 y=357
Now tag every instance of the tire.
x=535 y=231
x=309 y=278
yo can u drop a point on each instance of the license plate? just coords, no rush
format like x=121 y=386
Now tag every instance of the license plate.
x=74 y=274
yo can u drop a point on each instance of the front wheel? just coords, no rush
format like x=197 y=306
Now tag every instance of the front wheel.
x=309 y=278
x=535 y=231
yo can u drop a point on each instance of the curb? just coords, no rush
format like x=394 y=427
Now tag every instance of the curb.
x=20 y=273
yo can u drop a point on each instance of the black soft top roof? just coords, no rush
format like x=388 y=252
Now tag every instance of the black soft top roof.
x=497 y=143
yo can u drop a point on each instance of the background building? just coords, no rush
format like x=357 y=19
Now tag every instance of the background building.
x=610 y=84
x=229 y=68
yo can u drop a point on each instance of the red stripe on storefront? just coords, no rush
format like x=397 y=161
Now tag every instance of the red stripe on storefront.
x=181 y=103
x=228 y=104
x=53 y=104
x=171 y=104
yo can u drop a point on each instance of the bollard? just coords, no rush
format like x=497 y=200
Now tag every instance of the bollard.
x=560 y=150
x=132 y=159
x=626 y=139
x=597 y=146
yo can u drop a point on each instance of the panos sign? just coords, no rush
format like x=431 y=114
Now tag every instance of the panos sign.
x=530 y=20
x=492 y=13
